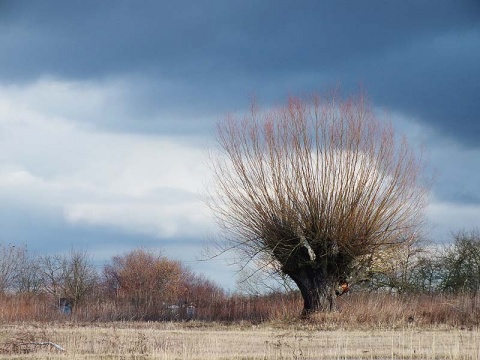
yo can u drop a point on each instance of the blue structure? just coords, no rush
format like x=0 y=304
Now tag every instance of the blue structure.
x=65 y=306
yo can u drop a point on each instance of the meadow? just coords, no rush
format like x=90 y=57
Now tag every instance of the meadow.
x=366 y=326
x=200 y=340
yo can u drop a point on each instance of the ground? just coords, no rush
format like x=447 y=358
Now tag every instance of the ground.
x=195 y=340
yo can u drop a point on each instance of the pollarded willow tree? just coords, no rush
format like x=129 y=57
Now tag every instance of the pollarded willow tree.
x=314 y=190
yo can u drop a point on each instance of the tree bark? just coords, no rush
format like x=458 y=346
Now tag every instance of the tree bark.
x=318 y=291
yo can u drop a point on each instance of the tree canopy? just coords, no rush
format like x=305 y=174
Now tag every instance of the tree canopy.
x=315 y=189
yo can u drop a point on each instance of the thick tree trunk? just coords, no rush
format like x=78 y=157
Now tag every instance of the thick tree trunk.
x=317 y=290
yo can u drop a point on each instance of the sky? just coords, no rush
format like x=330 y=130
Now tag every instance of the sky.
x=107 y=108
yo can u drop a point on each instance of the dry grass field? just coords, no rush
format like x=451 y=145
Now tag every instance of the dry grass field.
x=199 y=340
x=367 y=326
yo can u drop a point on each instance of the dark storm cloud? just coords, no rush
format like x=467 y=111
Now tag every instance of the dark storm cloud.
x=418 y=57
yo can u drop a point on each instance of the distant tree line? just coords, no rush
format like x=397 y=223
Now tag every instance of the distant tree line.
x=144 y=285
x=137 y=285
x=451 y=268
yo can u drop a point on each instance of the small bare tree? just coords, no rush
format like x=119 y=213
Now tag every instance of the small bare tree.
x=10 y=265
x=315 y=189
x=52 y=274
x=29 y=279
x=79 y=276
x=68 y=275
x=461 y=263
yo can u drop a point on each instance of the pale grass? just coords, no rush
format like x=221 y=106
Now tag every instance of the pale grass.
x=216 y=341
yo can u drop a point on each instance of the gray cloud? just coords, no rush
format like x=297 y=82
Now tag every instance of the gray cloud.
x=208 y=57
x=79 y=38
x=44 y=233
x=89 y=86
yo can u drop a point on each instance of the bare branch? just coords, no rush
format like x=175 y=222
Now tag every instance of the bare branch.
x=315 y=185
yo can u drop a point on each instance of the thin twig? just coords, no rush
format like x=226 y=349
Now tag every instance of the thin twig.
x=56 y=346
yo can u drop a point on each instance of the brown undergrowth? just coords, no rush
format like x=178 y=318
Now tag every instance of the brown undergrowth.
x=355 y=310
x=387 y=311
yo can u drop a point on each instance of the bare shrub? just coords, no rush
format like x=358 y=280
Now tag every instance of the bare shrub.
x=461 y=263
x=148 y=285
